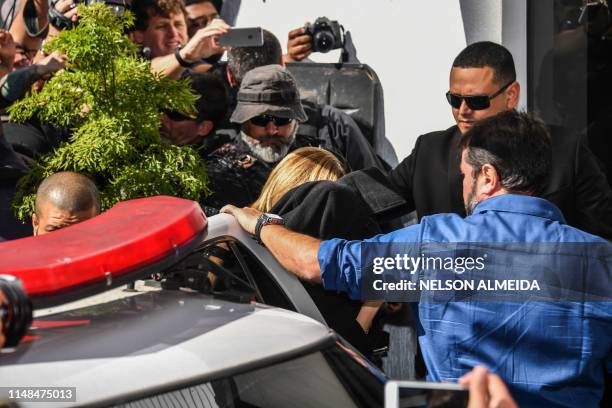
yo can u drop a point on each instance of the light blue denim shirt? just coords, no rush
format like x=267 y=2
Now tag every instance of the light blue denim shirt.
x=549 y=353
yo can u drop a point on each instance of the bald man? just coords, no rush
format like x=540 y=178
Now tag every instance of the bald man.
x=63 y=199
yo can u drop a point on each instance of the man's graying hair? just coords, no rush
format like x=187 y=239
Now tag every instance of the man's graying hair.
x=68 y=191
x=241 y=60
x=517 y=144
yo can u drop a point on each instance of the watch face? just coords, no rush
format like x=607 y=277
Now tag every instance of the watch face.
x=274 y=217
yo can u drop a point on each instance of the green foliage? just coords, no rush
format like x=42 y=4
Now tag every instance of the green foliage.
x=112 y=101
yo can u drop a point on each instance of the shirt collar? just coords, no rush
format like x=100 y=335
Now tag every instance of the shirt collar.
x=522 y=204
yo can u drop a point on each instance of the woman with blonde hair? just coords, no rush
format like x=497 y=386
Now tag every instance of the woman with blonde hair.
x=298 y=167
x=351 y=319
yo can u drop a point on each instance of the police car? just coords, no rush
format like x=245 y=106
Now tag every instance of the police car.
x=197 y=335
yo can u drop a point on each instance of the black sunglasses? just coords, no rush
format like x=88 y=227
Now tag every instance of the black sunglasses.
x=476 y=102
x=263 y=120
x=178 y=116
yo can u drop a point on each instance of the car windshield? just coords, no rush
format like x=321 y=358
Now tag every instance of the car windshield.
x=339 y=378
x=226 y=268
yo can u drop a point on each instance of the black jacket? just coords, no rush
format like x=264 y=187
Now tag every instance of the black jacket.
x=332 y=210
x=430 y=181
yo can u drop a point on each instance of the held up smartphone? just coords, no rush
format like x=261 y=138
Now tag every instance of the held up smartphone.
x=242 y=37
x=423 y=394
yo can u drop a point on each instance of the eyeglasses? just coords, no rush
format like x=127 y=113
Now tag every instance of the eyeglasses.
x=178 y=116
x=263 y=120
x=475 y=102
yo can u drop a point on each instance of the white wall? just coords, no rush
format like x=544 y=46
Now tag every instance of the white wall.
x=410 y=44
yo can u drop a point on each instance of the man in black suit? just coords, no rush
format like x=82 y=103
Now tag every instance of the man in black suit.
x=482 y=84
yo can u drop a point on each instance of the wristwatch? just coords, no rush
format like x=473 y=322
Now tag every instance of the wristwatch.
x=266 y=219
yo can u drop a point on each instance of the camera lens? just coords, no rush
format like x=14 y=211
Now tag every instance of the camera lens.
x=323 y=41
x=16 y=313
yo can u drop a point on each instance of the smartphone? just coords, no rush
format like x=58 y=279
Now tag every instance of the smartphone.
x=425 y=394
x=242 y=37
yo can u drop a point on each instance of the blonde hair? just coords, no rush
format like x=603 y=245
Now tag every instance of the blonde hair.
x=298 y=167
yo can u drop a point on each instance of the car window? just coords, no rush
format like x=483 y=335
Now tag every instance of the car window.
x=228 y=269
x=329 y=378
x=270 y=291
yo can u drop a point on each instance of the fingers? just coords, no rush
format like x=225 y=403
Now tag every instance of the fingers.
x=300 y=40
x=478 y=386
x=64 y=5
x=500 y=396
x=487 y=390
x=218 y=23
x=68 y=8
x=296 y=32
x=228 y=209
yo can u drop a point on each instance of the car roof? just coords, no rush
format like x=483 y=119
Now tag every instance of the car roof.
x=154 y=342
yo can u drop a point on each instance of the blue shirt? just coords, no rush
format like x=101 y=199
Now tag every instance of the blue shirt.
x=549 y=353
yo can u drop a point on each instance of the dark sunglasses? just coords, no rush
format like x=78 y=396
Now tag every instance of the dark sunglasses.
x=263 y=120
x=178 y=116
x=476 y=102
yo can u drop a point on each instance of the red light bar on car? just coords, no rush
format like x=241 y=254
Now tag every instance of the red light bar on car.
x=114 y=246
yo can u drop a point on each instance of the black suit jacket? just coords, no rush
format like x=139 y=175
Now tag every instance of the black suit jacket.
x=430 y=181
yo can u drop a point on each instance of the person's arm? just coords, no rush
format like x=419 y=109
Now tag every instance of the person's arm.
x=15 y=85
x=202 y=45
x=367 y=313
x=296 y=252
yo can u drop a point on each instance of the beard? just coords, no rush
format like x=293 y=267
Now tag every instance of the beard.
x=272 y=153
x=471 y=202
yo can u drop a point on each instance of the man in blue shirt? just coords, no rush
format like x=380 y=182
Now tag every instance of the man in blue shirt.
x=549 y=353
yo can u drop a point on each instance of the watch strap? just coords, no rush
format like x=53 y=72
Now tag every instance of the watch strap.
x=263 y=220
x=180 y=59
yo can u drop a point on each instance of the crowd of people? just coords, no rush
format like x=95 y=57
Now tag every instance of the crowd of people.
x=306 y=182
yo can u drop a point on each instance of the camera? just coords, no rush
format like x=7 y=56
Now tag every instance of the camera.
x=326 y=34
x=16 y=313
x=59 y=21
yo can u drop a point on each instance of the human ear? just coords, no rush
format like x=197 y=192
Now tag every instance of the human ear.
x=137 y=36
x=513 y=95
x=489 y=182
x=35 y=224
x=205 y=127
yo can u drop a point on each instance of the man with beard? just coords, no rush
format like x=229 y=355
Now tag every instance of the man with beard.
x=271 y=116
x=268 y=111
x=549 y=353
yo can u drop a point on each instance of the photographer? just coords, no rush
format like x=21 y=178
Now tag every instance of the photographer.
x=161 y=27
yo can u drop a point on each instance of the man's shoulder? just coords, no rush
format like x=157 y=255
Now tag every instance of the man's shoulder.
x=438 y=137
